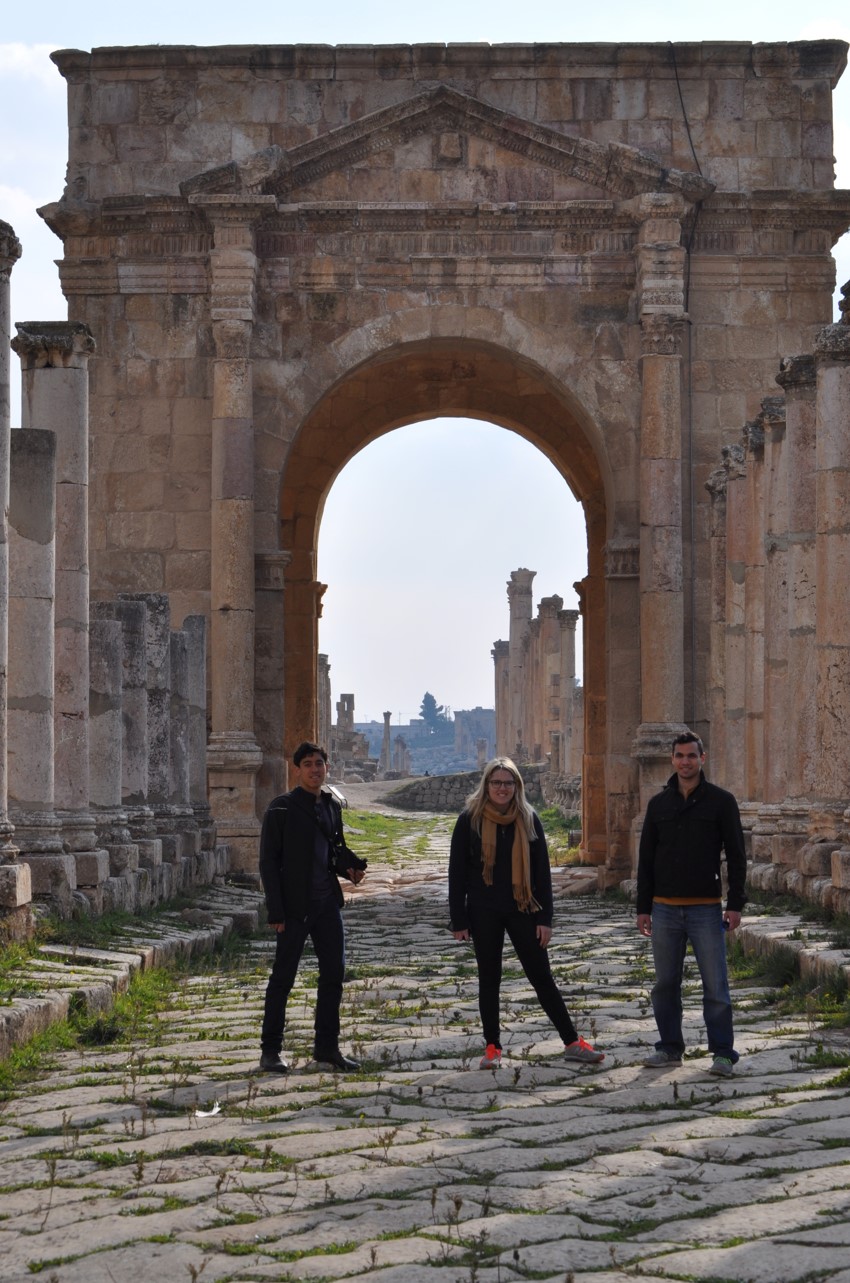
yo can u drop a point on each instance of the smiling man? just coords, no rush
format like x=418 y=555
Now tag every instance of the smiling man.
x=302 y=849
x=679 y=899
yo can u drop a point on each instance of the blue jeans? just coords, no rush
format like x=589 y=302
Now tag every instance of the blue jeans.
x=325 y=929
x=673 y=925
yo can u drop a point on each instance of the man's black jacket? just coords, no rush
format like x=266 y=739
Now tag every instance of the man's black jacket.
x=287 y=845
x=681 y=843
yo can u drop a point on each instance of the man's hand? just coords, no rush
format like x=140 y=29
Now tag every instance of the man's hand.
x=733 y=918
x=644 y=924
x=544 y=935
x=355 y=875
x=278 y=926
x=461 y=935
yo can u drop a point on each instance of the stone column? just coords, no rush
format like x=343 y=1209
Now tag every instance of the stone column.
x=832 y=638
x=54 y=362
x=179 y=769
x=753 y=776
x=323 y=701
x=32 y=528
x=716 y=485
x=105 y=712
x=269 y=724
x=567 y=620
x=519 y=604
x=501 y=678
x=660 y=297
x=734 y=657
x=13 y=894
x=135 y=751
x=386 y=747
x=234 y=757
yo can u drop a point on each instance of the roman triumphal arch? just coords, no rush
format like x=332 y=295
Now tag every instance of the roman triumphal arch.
x=282 y=253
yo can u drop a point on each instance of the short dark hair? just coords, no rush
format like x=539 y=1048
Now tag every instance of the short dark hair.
x=306 y=749
x=688 y=737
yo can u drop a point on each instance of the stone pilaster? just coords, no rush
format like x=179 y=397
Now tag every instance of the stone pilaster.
x=272 y=607
x=10 y=252
x=234 y=756
x=54 y=365
x=32 y=529
x=660 y=263
x=520 y=607
x=832 y=644
x=501 y=681
x=195 y=628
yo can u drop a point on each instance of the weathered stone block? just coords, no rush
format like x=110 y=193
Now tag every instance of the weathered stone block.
x=51 y=874
x=92 y=868
x=841 y=868
x=15 y=885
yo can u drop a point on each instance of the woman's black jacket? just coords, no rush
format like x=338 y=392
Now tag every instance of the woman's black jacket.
x=467 y=889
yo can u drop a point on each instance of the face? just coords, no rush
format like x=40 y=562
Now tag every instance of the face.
x=313 y=769
x=687 y=761
x=501 y=788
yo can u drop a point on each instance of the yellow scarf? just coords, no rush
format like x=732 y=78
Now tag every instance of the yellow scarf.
x=520 y=860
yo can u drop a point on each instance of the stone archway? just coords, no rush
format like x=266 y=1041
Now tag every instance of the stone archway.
x=441 y=378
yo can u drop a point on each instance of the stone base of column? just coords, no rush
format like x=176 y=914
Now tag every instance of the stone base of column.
x=38 y=832
x=141 y=821
x=78 y=830
x=54 y=878
x=8 y=848
x=233 y=761
x=206 y=825
x=92 y=868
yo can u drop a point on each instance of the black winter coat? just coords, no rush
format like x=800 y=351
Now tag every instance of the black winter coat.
x=466 y=882
x=681 y=842
x=287 y=845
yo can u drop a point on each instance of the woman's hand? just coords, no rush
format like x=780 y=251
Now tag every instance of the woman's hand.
x=461 y=935
x=544 y=935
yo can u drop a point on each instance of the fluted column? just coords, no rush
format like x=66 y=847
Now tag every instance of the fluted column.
x=54 y=364
x=234 y=757
x=12 y=895
x=832 y=645
x=660 y=296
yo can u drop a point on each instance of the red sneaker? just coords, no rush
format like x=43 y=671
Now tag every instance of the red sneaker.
x=492 y=1057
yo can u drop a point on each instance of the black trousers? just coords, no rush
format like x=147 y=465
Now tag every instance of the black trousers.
x=488 y=931
x=324 y=927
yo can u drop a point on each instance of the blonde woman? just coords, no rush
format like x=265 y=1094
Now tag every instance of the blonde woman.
x=500 y=881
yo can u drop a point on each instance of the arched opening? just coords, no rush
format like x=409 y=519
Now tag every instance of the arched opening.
x=430 y=380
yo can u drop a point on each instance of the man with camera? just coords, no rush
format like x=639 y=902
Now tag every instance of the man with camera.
x=302 y=854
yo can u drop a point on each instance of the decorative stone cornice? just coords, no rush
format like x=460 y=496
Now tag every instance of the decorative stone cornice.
x=10 y=250
x=616 y=168
x=270 y=570
x=53 y=344
x=622 y=559
x=797 y=372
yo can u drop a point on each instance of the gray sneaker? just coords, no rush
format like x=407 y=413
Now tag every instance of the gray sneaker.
x=721 y=1066
x=661 y=1060
x=583 y=1052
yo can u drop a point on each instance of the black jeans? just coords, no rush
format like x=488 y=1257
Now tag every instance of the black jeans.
x=324 y=927
x=488 y=936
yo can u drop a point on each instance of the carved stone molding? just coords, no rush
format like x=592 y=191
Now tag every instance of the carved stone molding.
x=52 y=344
x=622 y=559
x=270 y=570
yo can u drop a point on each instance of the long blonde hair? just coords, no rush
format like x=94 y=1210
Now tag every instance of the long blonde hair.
x=477 y=800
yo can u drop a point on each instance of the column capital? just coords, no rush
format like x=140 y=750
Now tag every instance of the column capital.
x=519 y=584
x=501 y=650
x=662 y=333
x=550 y=606
x=622 y=559
x=797 y=372
x=833 y=343
x=53 y=344
x=234 y=219
x=269 y=571
x=10 y=249
x=568 y=619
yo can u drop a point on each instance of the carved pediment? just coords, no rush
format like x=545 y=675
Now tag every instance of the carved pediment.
x=614 y=168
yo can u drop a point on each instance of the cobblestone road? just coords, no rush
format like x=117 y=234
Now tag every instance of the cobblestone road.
x=172 y=1160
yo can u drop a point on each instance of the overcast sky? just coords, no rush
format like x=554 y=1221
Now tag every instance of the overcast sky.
x=423 y=528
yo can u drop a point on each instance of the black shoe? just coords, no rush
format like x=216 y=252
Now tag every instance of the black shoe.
x=271 y=1063
x=334 y=1057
